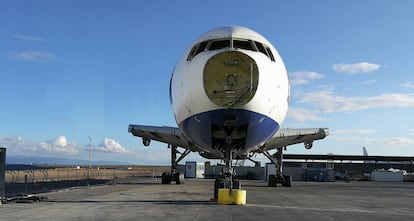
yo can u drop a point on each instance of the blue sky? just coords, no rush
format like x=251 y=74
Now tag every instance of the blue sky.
x=73 y=69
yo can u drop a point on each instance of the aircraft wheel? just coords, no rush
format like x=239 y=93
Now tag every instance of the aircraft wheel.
x=272 y=181
x=287 y=181
x=236 y=184
x=218 y=184
x=179 y=178
x=165 y=178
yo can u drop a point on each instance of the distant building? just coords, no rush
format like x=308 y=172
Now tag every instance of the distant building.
x=390 y=175
x=194 y=169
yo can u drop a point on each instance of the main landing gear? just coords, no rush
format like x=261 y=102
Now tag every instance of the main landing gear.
x=279 y=177
x=174 y=175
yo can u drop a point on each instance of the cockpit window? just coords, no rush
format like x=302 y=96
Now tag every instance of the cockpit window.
x=243 y=44
x=201 y=47
x=265 y=50
x=270 y=53
x=198 y=48
x=215 y=45
x=191 y=55
x=260 y=47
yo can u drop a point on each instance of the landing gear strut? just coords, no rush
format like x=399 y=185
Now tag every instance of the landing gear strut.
x=228 y=172
x=178 y=177
x=277 y=159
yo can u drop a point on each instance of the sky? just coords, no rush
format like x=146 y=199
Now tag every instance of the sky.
x=70 y=70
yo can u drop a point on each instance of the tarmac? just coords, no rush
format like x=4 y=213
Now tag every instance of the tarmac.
x=146 y=199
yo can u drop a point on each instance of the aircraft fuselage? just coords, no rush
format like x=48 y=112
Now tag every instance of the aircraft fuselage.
x=230 y=87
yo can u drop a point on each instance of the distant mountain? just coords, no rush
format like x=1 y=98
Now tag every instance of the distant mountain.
x=57 y=161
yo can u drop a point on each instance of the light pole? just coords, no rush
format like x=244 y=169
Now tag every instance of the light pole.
x=89 y=158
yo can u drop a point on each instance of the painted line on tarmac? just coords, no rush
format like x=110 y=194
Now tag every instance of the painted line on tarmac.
x=355 y=210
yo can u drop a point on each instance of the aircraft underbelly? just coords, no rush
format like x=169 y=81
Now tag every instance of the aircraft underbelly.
x=247 y=129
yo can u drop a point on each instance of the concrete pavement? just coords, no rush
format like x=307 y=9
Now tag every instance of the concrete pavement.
x=144 y=199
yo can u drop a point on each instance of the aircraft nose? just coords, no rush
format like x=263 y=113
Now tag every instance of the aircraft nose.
x=230 y=78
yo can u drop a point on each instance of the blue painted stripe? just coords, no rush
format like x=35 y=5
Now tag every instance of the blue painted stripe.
x=198 y=127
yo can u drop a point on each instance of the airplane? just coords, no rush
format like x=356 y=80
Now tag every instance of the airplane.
x=230 y=93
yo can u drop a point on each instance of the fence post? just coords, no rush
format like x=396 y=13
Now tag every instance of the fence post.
x=25 y=184
x=2 y=174
x=114 y=178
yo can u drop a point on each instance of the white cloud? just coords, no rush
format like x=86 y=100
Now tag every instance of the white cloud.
x=325 y=87
x=348 y=138
x=393 y=141
x=17 y=145
x=303 y=77
x=407 y=85
x=355 y=131
x=110 y=145
x=328 y=102
x=362 y=67
x=28 y=37
x=364 y=83
x=59 y=145
x=34 y=56
x=410 y=131
x=304 y=115
x=388 y=142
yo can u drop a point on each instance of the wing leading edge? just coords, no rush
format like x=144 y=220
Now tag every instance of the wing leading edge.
x=174 y=136
x=164 y=134
x=286 y=137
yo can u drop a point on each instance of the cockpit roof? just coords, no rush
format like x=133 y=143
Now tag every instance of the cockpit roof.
x=232 y=32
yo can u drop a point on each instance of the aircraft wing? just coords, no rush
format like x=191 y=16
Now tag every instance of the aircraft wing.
x=164 y=134
x=286 y=137
x=174 y=136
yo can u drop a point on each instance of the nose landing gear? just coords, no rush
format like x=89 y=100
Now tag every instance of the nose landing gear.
x=228 y=190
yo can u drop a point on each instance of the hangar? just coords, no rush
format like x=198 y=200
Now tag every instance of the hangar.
x=324 y=167
x=354 y=166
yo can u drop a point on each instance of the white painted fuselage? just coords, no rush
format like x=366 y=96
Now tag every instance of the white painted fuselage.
x=230 y=87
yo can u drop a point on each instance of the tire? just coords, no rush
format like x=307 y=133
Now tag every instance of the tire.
x=165 y=178
x=179 y=178
x=236 y=184
x=287 y=181
x=272 y=181
x=218 y=184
